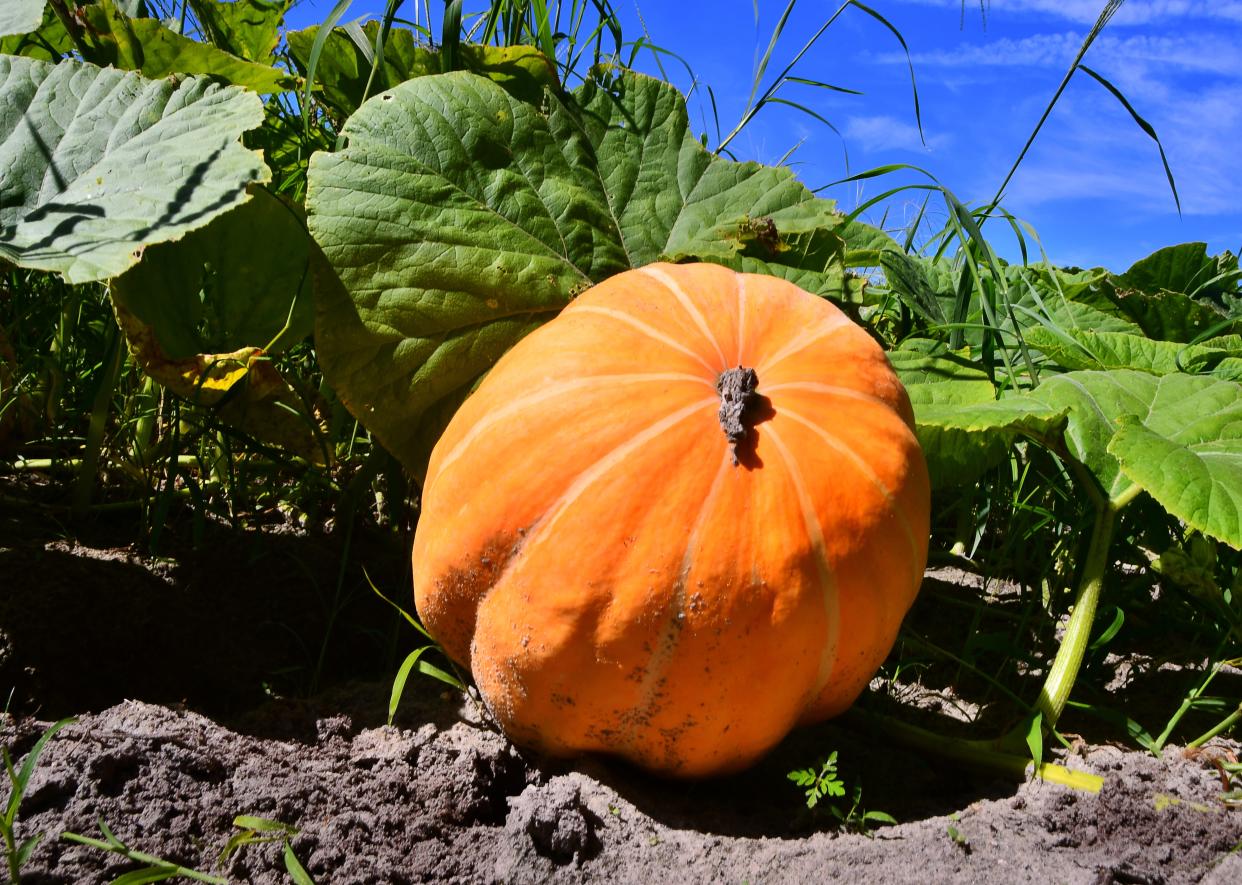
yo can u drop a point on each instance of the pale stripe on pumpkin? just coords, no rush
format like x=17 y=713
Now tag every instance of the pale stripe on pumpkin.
x=741 y=318
x=803 y=341
x=552 y=391
x=684 y=300
x=828 y=580
x=864 y=468
x=649 y=331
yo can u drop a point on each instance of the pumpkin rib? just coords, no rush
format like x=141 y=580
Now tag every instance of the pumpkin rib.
x=683 y=299
x=863 y=468
x=667 y=646
x=596 y=471
x=827 y=577
x=560 y=388
x=832 y=323
x=830 y=390
x=649 y=331
x=741 y=318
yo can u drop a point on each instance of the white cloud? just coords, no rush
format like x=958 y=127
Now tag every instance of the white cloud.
x=1087 y=11
x=1201 y=52
x=1097 y=154
x=884 y=133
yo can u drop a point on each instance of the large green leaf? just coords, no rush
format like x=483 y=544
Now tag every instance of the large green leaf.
x=1185 y=409
x=933 y=375
x=145 y=45
x=345 y=63
x=1185 y=268
x=96 y=164
x=1195 y=470
x=249 y=29
x=459 y=218
x=1079 y=349
x=241 y=281
x=20 y=16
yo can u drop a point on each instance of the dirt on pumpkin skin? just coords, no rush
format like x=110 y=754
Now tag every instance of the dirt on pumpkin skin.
x=440 y=797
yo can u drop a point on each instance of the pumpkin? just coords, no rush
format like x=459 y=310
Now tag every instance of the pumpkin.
x=676 y=521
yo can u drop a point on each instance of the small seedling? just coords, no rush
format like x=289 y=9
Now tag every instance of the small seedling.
x=819 y=784
x=414 y=658
x=260 y=830
x=17 y=854
x=958 y=837
x=827 y=783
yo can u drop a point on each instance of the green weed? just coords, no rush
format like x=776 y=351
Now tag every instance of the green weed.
x=18 y=852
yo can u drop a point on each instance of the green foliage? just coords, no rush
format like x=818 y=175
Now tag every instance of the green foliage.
x=112 y=38
x=458 y=219
x=151 y=160
x=819 y=784
x=154 y=869
x=259 y=831
x=17 y=853
x=349 y=71
x=824 y=783
x=248 y=29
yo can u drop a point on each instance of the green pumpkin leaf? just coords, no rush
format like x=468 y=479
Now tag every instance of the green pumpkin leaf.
x=864 y=244
x=459 y=218
x=21 y=16
x=918 y=282
x=202 y=315
x=345 y=64
x=1193 y=470
x=241 y=281
x=145 y=45
x=249 y=29
x=1187 y=410
x=49 y=42
x=963 y=429
x=1114 y=350
x=1186 y=268
x=96 y=164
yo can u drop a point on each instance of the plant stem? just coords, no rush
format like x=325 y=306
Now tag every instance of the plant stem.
x=92 y=450
x=1065 y=666
x=1220 y=728
x=994 y=755
x=142 y=857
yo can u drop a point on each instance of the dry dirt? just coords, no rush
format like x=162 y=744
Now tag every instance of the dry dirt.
x=188 y=715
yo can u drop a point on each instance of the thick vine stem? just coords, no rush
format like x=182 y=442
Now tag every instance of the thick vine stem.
x=1065 y=666
x=992 y=755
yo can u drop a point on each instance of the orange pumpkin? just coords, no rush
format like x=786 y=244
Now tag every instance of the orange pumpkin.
x=626 y=568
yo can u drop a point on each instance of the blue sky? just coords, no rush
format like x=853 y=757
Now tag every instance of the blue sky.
x=1092 y=186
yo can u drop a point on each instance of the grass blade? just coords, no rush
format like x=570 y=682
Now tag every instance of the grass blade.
x=294 y=868
x=1142 y=124
x=312 y=62
x=1110 y=8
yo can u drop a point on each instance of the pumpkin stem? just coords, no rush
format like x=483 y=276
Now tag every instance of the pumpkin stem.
x=738 y=395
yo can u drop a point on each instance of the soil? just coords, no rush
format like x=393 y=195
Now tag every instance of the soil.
x=250 y=674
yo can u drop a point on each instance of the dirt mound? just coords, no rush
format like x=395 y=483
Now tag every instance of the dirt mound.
x=443 y=799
